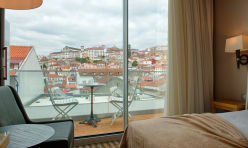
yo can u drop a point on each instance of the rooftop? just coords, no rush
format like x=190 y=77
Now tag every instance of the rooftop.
x=12 y=73
x=19 y=52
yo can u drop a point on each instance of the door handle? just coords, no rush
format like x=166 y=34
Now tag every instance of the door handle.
x=5 y=63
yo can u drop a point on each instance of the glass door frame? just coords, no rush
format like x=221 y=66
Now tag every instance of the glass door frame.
x=125 y=57
x=2 y=15
x=125 y=63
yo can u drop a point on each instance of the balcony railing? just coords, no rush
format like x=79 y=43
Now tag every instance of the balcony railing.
x=148 y=102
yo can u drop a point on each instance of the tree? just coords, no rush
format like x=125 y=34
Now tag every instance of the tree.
x=78 y=59
x=135 y=63
x=96 y=61
x=44 y=66
x=83 y=60
x=86 y=60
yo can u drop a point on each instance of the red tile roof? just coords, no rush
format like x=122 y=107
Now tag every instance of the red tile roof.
x=51 y=69
x=19 y=52
x=147 y=78
x=54 y=76
x=55 y=65
x=66 y=66
x=52 y=61
x=12 y=73
x=65 y=91
x=160 y=66
x=71 y=86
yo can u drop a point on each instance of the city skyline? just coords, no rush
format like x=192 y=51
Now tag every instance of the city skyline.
x=80 y=23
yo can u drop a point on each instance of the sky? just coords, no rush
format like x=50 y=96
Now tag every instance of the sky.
x=60 y=23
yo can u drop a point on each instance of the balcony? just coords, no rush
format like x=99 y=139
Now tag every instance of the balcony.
x=147 y=103
x=105 y=127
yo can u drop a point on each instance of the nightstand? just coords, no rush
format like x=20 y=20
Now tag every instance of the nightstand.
x=228 y=105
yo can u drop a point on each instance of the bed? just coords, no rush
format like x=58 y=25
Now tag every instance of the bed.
x=189 y=131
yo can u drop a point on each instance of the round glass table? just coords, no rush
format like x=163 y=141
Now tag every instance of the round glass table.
x=27 y=135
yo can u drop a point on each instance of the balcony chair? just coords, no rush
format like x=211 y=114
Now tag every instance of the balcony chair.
x=12 y=112
x=62 y=103
x=117 y=100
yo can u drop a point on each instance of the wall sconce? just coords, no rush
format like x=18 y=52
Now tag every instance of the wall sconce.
x=20 y=4
x=236 y=45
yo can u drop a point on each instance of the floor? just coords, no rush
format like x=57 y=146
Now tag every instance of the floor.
x=112 y=144
x=105 y=127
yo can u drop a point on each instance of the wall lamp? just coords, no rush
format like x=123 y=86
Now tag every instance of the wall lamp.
x=236 y=45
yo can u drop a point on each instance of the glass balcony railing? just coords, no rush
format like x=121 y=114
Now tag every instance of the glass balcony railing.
x=147 y=96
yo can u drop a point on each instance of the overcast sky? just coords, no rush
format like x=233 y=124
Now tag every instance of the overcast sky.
x=59 y=23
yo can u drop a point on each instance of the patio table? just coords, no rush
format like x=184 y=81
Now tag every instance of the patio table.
x=92 y=119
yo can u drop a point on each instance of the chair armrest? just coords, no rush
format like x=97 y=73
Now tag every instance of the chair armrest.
x=116 y=101
x=52 y=121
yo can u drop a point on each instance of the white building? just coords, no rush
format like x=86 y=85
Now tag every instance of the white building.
x=70 y=52
x=96 y=53
x=67 y=52
x=26 y=74
x=55 y=79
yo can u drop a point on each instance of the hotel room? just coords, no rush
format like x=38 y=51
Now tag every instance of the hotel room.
x=189 y=91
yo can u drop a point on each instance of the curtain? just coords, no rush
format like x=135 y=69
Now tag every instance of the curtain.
x=190 y=74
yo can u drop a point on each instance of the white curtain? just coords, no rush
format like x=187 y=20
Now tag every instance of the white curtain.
x=190 y=75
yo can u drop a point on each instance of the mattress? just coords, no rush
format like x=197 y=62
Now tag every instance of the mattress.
x=238 y=119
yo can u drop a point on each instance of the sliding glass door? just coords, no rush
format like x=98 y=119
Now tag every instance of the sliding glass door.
x=147 y=58
x=111 y=63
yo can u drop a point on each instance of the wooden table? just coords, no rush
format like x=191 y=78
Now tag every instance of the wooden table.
x=228 y=105
x=27 y=135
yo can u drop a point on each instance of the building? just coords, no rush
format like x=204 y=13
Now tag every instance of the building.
x=25 y=73
x=114 y=54
x=96 y=53
x=70 y=52
x=67 y=52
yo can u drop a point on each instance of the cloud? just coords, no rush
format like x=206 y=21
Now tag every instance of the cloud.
x=58 y=23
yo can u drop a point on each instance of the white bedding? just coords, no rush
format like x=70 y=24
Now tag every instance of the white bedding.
x=239 y=119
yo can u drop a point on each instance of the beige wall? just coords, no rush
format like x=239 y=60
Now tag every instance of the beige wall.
x=231 y=18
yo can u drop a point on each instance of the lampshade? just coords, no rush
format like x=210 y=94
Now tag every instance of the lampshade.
x=237 y=43
x=20 y=4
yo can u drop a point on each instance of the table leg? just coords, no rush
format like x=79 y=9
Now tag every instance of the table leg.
x=91 y=102
x=91 y=120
